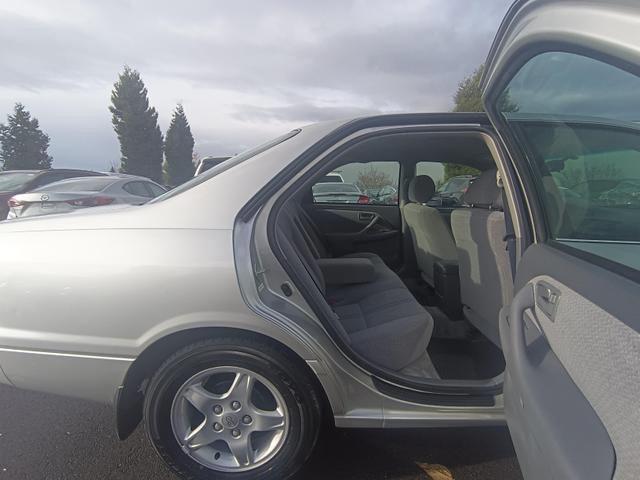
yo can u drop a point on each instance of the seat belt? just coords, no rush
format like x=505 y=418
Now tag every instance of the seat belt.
x=510 y=237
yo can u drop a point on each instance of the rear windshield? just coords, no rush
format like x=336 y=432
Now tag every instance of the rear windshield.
x=335 y=188
x=232 y=162
x=11 y=181
x=79 y=185
x=210 y=163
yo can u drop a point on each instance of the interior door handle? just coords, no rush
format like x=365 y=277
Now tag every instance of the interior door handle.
x=523 y=301
x=366 y=216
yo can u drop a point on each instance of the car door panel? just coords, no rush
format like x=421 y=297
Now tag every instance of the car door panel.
x=360 y=228
x=572 y=349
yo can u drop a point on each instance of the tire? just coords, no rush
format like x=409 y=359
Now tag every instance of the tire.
x=289 y=380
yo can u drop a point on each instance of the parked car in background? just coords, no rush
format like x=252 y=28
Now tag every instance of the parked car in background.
x=450 y=192
x=333 y=177
x=387 y=195
x=625 y=194
x=338 y=193
x=76 y=193
x=209 y=162
x=19 y=181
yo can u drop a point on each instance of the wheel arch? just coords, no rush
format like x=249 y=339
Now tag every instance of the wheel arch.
x=130 y=395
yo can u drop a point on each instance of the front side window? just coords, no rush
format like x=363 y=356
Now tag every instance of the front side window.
x=578 y=122
x=360 y=183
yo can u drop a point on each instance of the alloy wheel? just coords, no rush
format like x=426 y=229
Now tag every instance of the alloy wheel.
x=229 y=419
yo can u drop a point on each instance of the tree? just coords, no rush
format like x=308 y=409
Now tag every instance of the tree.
x=136 y=125
x=178 y=149
x=468 y=98
x=22 y=144
x=372 y=179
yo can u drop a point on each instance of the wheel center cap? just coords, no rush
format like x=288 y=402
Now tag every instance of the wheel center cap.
x=230 y=421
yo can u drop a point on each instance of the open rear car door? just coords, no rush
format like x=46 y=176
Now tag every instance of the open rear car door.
x=562 y=88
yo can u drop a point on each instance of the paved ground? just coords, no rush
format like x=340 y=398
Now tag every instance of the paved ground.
x=49 y=437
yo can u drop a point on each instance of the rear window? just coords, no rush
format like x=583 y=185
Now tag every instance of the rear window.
x=137 y=188
x=78 y=185
x=232 y=162
x=10 y=181
x=331 y=179
x=335 y=187
x=208 y=163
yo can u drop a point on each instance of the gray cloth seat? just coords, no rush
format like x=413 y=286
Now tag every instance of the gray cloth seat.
x=432 y=238
x=379 y=319
x=479 y=230
x=315 y=242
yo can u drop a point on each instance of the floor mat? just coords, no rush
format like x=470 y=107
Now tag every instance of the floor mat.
x=465 y=359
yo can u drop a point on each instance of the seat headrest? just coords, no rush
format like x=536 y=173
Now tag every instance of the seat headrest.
x=421 y=189
x=484 y=191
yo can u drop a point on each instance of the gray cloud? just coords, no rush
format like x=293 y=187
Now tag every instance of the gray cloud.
x=245 y=71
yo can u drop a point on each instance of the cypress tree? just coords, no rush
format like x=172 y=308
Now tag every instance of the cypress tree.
x=136 y=125
x=178 y=149
x=22 y=144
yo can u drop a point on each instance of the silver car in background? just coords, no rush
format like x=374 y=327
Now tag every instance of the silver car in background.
x=76 y=193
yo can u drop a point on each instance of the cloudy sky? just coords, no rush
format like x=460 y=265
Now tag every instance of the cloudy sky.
x=245 y=71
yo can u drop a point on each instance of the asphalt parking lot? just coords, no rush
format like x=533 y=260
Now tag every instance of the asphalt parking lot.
x=50 y=437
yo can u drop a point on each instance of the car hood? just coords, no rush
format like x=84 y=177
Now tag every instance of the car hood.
x=605 y=27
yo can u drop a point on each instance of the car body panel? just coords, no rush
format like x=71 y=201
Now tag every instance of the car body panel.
x=112 y=289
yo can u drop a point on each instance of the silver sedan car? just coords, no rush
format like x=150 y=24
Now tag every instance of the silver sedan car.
x=236 y=330
x=77 y=193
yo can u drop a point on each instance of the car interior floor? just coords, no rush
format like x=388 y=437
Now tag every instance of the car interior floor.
x=456 y=349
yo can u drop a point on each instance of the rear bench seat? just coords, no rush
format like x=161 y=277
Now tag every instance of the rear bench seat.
x=374 y=311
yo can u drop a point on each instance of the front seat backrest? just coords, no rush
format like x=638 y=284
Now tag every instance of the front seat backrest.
x=432 y=239
x=485 y=272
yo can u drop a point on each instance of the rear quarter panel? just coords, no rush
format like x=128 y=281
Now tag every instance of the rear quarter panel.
x=107 y=294
x=82 y=295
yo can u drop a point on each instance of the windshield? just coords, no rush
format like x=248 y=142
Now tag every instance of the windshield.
x=14 y=180
x=455 y=185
